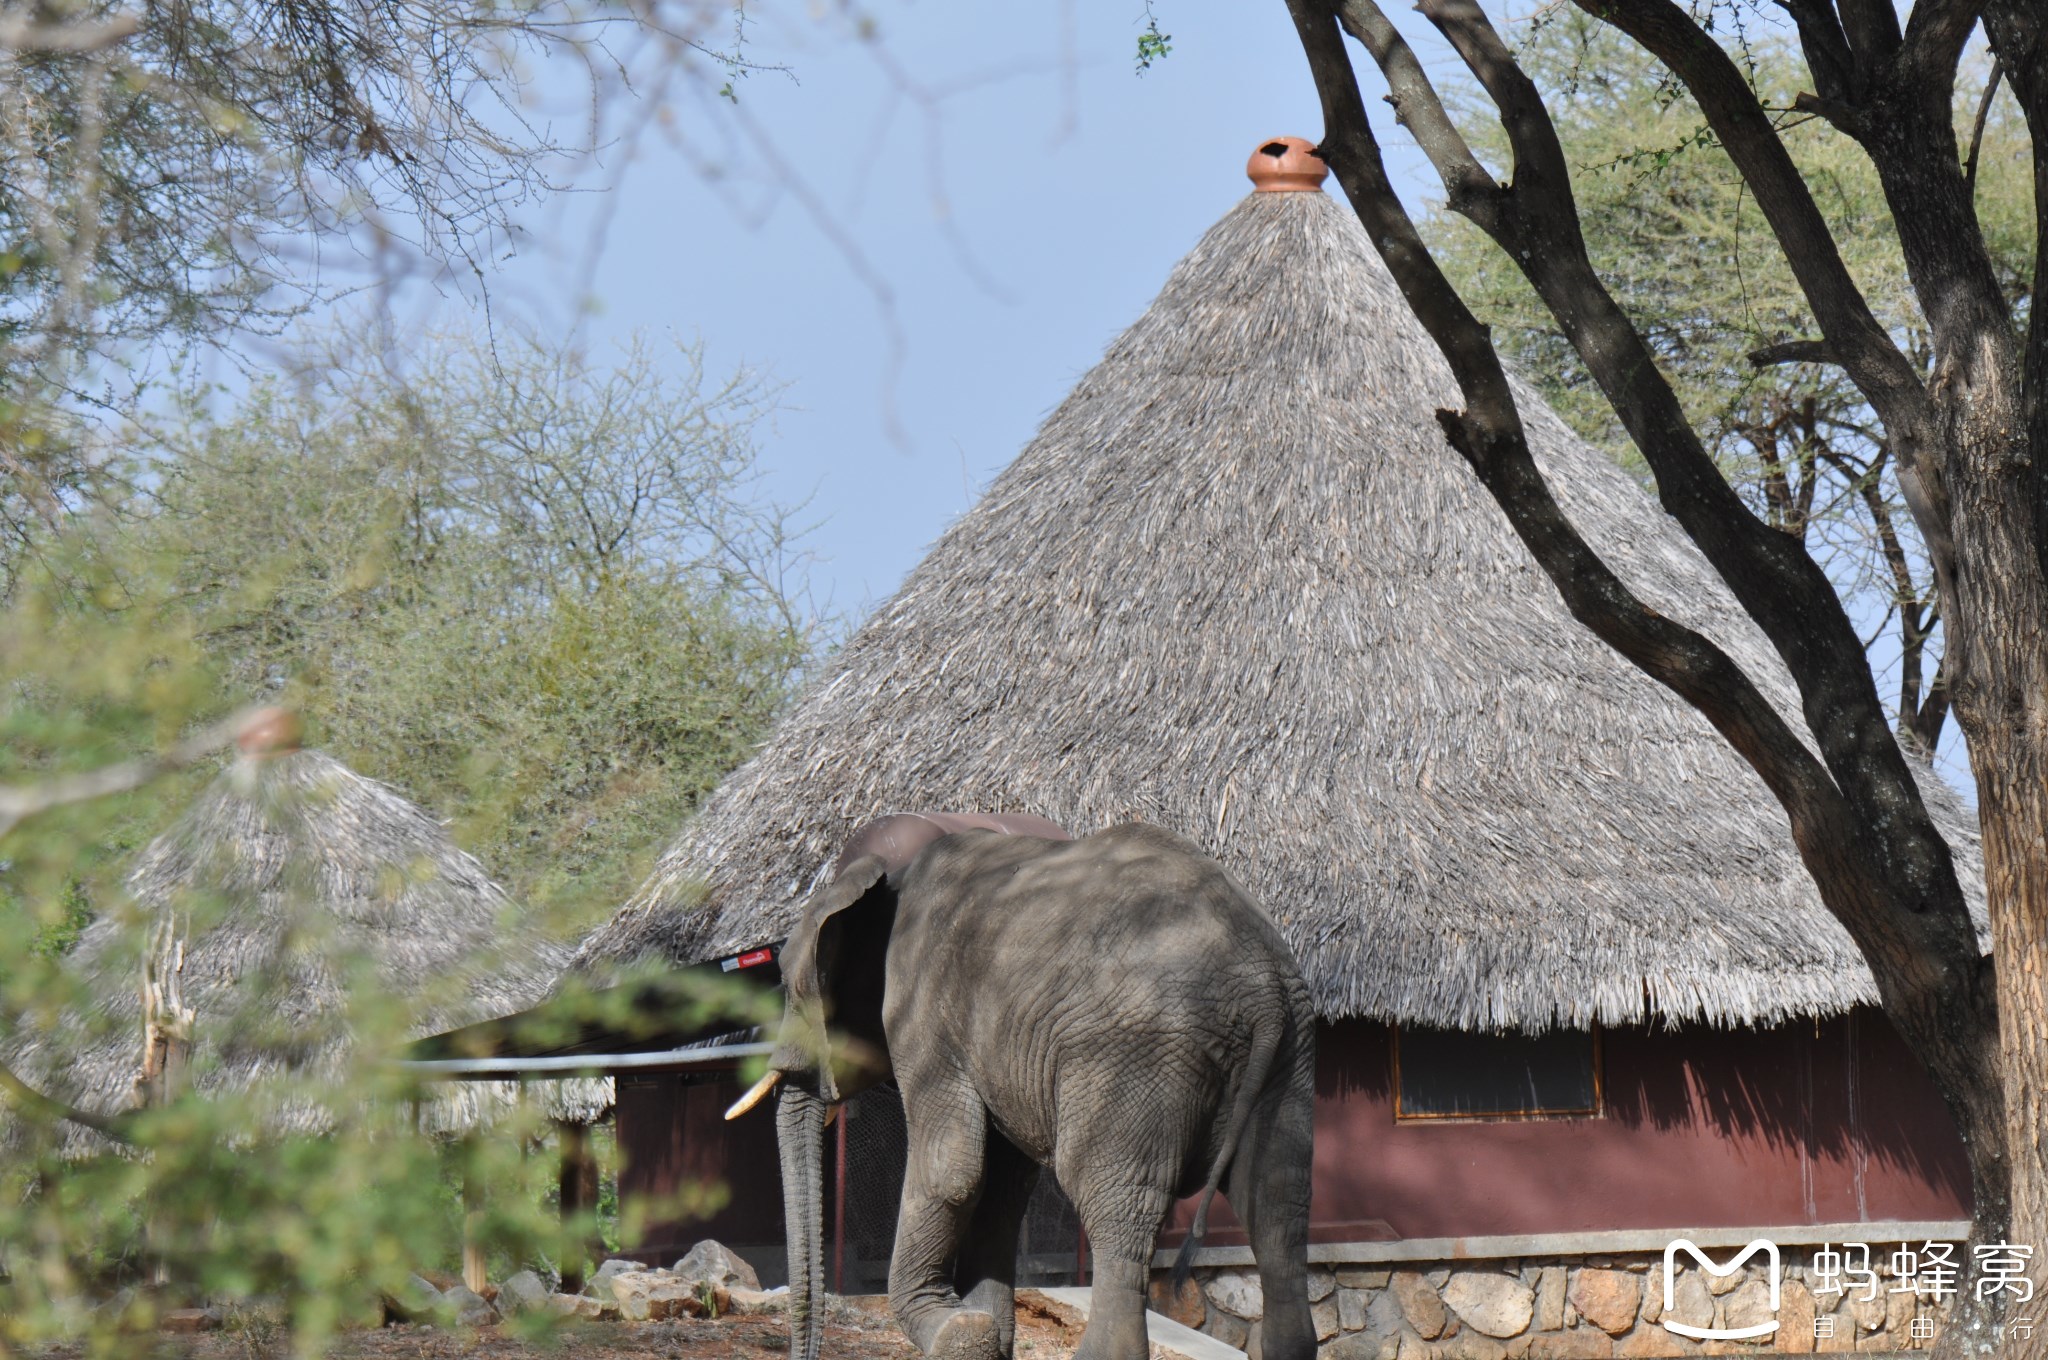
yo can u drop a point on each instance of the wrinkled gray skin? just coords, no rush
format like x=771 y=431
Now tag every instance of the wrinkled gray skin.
x=1114 y=1008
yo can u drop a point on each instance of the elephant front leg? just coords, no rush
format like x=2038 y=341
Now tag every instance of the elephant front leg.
x=987 y=1274
x=940 y=1185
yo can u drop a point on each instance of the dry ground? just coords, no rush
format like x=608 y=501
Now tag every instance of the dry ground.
x=852 y=1332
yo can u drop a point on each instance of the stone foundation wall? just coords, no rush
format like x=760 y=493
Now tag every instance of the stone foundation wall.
x=1559 y=1308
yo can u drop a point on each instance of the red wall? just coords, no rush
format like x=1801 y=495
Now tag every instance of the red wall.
x=1701 y=1127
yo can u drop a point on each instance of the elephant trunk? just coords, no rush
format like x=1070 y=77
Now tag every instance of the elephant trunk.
x=800 y=1132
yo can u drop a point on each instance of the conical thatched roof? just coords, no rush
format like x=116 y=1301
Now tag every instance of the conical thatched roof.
x=293 y=889
x=1237 y=586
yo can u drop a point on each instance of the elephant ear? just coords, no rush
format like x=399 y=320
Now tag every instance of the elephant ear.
x=807 y=968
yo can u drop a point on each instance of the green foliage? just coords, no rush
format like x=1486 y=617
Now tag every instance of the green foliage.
x=317 y=1228
x=89 y=677
x=540 y=596
x=1676 y=236
x=1153 y=45
x=165 y=171
x=531 y=593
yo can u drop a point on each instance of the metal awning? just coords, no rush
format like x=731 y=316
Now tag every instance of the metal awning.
x=693 y=1018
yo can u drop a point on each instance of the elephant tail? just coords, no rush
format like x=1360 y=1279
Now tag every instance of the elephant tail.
x=1266 y=1032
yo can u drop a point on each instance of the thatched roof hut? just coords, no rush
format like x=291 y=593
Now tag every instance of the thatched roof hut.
x=1237 y=586
x=291 y=891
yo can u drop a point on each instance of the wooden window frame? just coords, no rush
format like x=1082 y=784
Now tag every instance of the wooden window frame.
x=1597 y=1111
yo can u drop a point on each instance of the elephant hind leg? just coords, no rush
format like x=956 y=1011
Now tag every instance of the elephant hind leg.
x=986 y=1277
x=941 y=1182
x=1268 y=1186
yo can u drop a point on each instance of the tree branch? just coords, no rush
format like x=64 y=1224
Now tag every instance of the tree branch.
x=1872 y=28
x=21 y=33
x=1469 y=188
x=1828 y=54
x=1932 y=714
x=1773 y=577
x=1977 y=126
x=19 y=802
x=1857 y=819
x=2019 y=42
x=1490 y=435
x=1855 y=338
x=49 y=1109
x=1792 y=352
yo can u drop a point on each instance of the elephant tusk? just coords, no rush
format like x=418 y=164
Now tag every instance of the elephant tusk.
x=754 y=1096
x=831 y=1115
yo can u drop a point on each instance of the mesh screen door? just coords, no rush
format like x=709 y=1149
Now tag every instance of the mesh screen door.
x=870 y=1148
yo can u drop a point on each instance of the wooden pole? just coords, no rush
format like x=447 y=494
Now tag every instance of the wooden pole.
x=473 y=1273
x=577 y=1190
x=167 y=1024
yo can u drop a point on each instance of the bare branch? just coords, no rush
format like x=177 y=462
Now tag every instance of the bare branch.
x=1793 y=352
x=2018 y=31
x=1418 y=108
x=1774 y=578
x=1828 y=54
x=1977 y=127
x=1872 y=28
x=21 y=33
x=1490 y=435
x=1856 y=815
x=47 y=1108
x=19 y=802
x=1856 y=339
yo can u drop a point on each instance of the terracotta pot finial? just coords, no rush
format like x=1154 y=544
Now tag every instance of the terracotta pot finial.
x=269 y=732
x=1286 y=165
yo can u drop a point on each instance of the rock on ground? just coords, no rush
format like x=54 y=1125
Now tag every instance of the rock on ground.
x=600 y=1283
x=522 y=1293
x=656 y=1295
x=576 y=1306
x=470 y=1309
x=752 y=1302
x=715 y=1263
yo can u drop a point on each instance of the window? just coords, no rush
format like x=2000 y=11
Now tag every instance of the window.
x=1457 y=1074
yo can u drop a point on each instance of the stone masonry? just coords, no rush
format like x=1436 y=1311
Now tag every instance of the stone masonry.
x=1565 y=1308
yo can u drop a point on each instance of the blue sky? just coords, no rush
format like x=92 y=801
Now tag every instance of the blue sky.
x=1016 y=191
x=925 y=237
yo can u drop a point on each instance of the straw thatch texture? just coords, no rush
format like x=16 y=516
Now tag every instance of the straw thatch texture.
x=1239 y=587
x=297 y=889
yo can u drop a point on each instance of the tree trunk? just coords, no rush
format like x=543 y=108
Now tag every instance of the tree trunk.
x=475 y=1268
x=1999 y=656
x=2013 y=806
x=166 y=1053
x=577 y=1192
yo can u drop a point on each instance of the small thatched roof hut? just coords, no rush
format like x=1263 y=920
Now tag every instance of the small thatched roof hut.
x=293 y=889
x=1237 y=586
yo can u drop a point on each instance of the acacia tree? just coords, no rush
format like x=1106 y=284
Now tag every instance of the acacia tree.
x=190 y=173
x=1969 y=437
x=1671 y=226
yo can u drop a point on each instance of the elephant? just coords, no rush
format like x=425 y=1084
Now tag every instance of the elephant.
x=1114 y=1008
